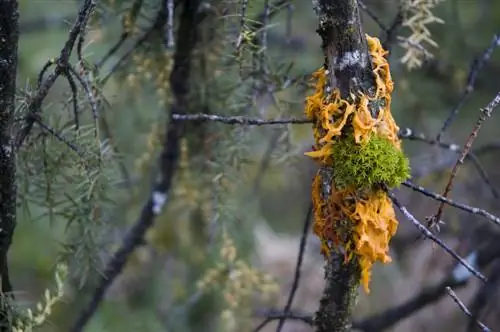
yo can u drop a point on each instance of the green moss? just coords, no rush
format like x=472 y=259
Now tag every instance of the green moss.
x=366 y=165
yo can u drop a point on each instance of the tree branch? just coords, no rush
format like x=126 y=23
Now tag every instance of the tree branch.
x=179 y=84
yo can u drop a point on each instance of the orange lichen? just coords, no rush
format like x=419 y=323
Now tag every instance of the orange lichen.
x=361 y=221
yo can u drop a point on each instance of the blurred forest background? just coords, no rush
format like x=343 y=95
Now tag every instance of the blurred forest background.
x=241 y=194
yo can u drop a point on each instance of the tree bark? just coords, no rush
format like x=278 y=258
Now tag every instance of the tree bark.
x=349 y=69
x=9 y=35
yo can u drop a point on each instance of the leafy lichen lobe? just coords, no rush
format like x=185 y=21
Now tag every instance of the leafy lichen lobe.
x=357 y=137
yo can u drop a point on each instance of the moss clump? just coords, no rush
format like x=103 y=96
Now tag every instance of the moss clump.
x=368 y=164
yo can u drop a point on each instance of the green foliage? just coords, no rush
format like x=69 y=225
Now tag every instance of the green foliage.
x=366 y=165
x=74 y=207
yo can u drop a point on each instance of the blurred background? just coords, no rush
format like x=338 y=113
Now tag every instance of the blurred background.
x=260 y=175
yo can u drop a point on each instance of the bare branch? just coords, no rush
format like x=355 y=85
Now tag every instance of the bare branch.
x=477 y=64
x=296 y=279
x=61 y=64
x=473 y=210
x=466 y=311
x=431 y=236
x=485 y=113
x=236 y=120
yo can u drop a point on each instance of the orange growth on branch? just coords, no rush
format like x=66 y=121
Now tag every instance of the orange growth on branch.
x=358 y=138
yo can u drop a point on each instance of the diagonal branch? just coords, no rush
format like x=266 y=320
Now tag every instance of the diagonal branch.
x=300 y=257
x=179 y=83
x=237 y=120
x=432 y=237
x=485 y=114
x=472 y=210
x=61 y=68
x=477 y=65
x=466 y=311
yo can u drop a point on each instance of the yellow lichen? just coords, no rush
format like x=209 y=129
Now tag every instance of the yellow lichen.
x=361 y=221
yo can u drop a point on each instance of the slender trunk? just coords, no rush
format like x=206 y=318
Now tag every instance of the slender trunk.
x=9 y=35
x=349 y=69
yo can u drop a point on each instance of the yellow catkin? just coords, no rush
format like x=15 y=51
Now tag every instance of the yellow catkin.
x=370 y=216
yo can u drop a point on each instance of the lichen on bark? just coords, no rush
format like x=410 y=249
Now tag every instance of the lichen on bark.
x=350 y=111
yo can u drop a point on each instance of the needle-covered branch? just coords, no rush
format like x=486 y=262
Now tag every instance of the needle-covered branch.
x=62 y=68
x=179 y=84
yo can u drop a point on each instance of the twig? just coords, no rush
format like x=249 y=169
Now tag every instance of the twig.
x=243 y=15
x=140 y=41
x=372 y=15
x=46 y=22
x=169 y=27
x=61 y=63
x=404 y=133
x=473 y=210
x=466 y=311
x=391 y=316
x=390 y=34
x=409 y=134
x=475 y=68
x=112 y=51
x=431 y=236
x=58 y=136
x=266 y=161
x=484 y=114
x=179 y=83
x=380 y=321
x=296 y=279
x=236 y=120
x=272 y=315
x=486 y=294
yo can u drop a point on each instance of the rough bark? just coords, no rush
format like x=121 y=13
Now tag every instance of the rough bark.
x=349 y=65
x=9 y=35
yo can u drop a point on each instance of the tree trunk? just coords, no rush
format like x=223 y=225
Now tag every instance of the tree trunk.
x=349 y=69
x=9 y=35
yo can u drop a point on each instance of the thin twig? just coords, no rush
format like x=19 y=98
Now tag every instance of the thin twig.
x=296 y=278
x=484 y=114
x=372 y=15
x=170 y=23
x=40 y=24
x=236 y=120
x=466 y=311
x=431 y=236
x=409 y=134
x=473 y=210
x=391 y=33
x=475 y=68
x=272 y=315
x=140 y=41
x=487 y=293
x=61 y=63
x=112 y=51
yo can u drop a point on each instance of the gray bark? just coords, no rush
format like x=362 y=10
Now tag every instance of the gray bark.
x=9 y=35
x=349 y=64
